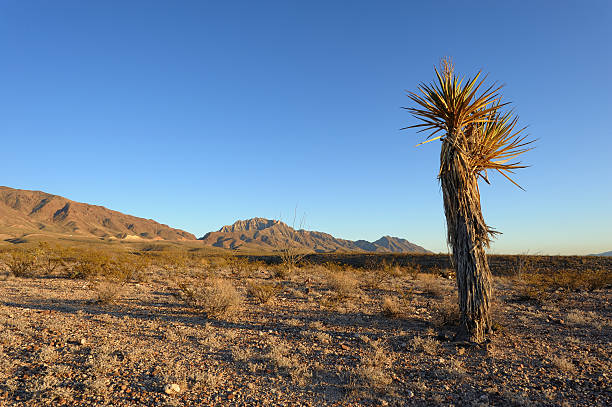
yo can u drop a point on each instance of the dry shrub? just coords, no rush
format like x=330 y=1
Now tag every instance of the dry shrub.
x=414 y=271
x=216 y=297
x=291 y=258
x=322 y=337
x=343 y=283
x=238 y=265
x=374 y=279
x=94 y=264
x=537 y=286
x=89 y=264
x=562 y=364
x=20 y=262
x=285 y=359
x=391 y=268
x=129 y=267
x=107 y=291
x=391 y=307
x=446 y=313
x=578 y=317
x=431 y=286
x=426 y=345
x=263 y=292
x=49 y=258
x=374 y=369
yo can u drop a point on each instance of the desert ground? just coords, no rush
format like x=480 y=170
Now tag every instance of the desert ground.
x=232 y=331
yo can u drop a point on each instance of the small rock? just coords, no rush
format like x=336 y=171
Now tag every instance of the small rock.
x=82 y=341
x=172 y=388
x=410 y=394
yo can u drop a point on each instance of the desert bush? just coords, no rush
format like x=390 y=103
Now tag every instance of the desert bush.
x=216 y=297
x=285 y=359
x=95 y=264
x=263 y=292
x=374 y=369
x=389 y=267
x=48 y=257
x=391 y=307
x=562 y=364
x=321 y=337
x=89 y=264
x=290 y=260
x=128 y=267
x=107 y=291
x=537 y=286
x=20 y=262
x=446 y=313
x=431 y=286
x=425 y=344
x=343 y=283
x=522 y=265
x=414 y=271
x=238 y=265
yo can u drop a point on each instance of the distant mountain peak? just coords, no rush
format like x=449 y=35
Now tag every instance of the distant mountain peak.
x=261 y=234
x=250 y=225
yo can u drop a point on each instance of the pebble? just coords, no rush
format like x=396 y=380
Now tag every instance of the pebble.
x=82 y=341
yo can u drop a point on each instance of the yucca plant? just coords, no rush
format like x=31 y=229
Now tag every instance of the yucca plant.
x=477 y=136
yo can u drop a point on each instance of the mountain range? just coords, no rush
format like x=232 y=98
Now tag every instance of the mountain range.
x=25 y=213
x=270 y=235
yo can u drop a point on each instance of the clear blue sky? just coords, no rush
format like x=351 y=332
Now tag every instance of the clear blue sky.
x=200 y=113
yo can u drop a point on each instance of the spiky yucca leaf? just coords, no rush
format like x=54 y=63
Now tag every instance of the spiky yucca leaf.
x=471 y=120
x=496 y=143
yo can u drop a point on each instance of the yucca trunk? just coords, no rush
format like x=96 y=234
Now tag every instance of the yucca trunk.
x=468 y=236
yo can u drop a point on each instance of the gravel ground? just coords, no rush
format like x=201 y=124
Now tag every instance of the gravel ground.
x=326 y=338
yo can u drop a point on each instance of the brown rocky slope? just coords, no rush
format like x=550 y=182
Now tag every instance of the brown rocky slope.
x=261 y=234
x=24 y=213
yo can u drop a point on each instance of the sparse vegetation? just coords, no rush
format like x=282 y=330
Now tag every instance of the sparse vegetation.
x=115 y=338
x=374 y=369
x=391 y=307
x=343 y=283
x=20 y=262
x=263 y=292
x=538 y=286
x=107 y=291
x=216 y=297
x=427 y=345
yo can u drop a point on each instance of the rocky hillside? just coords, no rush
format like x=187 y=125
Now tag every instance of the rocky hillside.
x=25 y=212
x=272 y=235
